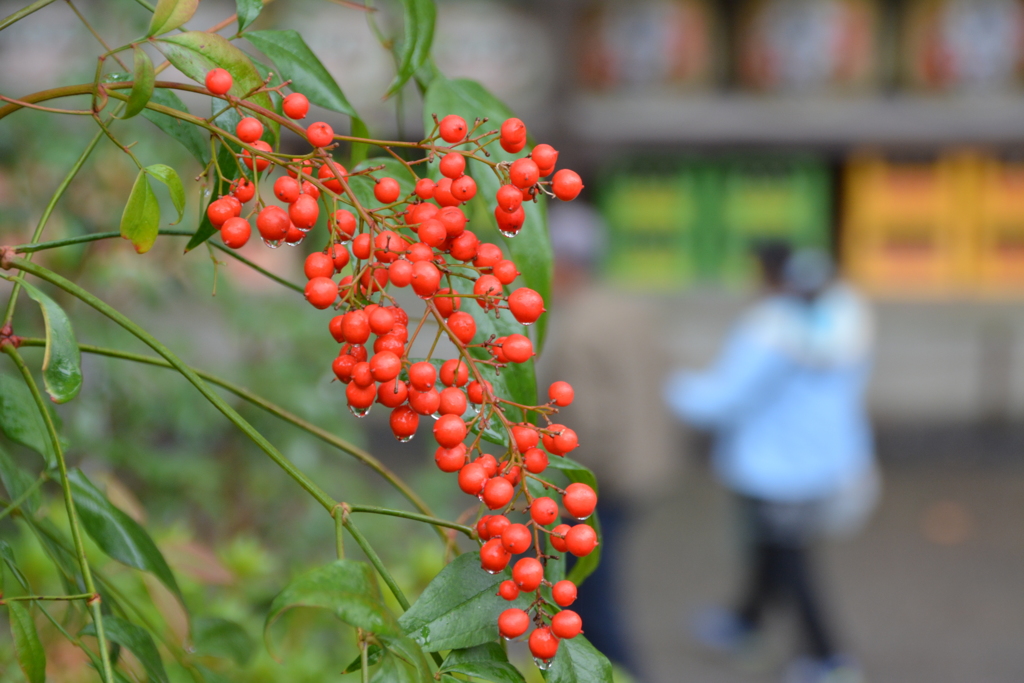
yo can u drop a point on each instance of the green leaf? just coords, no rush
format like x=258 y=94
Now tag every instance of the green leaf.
x=459 y=607
x=187 y=134
x=196 y=52
x=363 y=185
x=60 y=555
x=137 y=640
x=578 y=661
x=117 y=534
x=140 y=221
x=531 y=248
x=142 y=89
x=16 y=481
x=487 y=661
x=359 y=149
x=298 y=64
x=8 y=556
x=402 y=661
x=62 y=361
x=247 y=11
x=170 y=14
x=20 y=420
x=345 y=587
x=222 y=638
x=418 y=36
x=31 y=656
x=169 y=177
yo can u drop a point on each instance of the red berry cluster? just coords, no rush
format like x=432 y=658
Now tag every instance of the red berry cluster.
x=420 y=240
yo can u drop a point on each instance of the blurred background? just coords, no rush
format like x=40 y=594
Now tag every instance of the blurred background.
x=889 y=132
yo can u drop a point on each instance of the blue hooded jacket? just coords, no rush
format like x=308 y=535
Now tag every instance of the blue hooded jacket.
x=786 y=397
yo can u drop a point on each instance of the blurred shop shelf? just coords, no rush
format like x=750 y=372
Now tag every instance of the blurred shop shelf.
x=827 y=121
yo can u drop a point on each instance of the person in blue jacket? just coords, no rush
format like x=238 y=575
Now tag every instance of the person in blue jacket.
x=785 y=400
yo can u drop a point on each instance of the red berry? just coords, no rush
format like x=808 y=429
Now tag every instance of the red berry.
x=382 y=320
x=420 y=252
x=481 y=527
x=513 y=135
x=339 y=257
x=566 y=185
x=579 y=500
x=335 y=328
x=564 y=593
x=452 y=165
x=422 y=375
x=561 y=393
x=304 y=211
x=453 y=219
x=362 y=376
x=455 y=371
x=320 y=134
x=526 y=437
x=566 y=624
x=514 y=474
x=509 y=198
x=518 y=348
x=235 y=232
x=450 y=430
x=516 y=538
x=509 y=223
x=392 y=393
x=361 y=246
x=243 y=189
x=558 y=537
x=295 y=106
x=498 y=492
x=321 y=292
x=273 y=223
x=543 y=643
x=385 y=366
x=580 y=540
x=544 y=511
x=513 y=623
x=261 y=162
x=463 y=188
x=452 y=129
x=387 y=190
x=443 y=193
x=389 y=246
x=361 y=397
x=489 y=463
x=446 y=305
x=404 y=422
x=425 y=278
x=329 y=179
x=496 y=525
x=249 y=129
x=318 y=264
x=218 y=81
x=342 y=367
x=453 y=401
x=306 y=165
x=526 y=305
x=424 y=402
x=508 y=590
x=451 y=460
x=535 y=460
x=345 y=222
x=546 y=156
x=400 y=273
x=487 y=254
x=220 y=210
x=475 y=391
x=287 y=189
x=432 y=233
x=524 y=173
x=424 y=188
x=528 y=573
x=463 y=326
x=472 y=477
x=493 y=557
x=488 y=291
x=505 y=271
x=564 y=442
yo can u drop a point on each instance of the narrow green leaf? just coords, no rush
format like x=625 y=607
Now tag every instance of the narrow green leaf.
x=191 y=137
x=31 y=656
x=170 y=14
x=20 y=420
x=531 y=248
x=578 y=661
x=418 y=35
x=169 y=177
x=345 y=587
x=137 y=640
x=458 y=608
x=222 y=638
x=62 y=361
x=487 y=661
x=196 y=52
x=16 y=481
x=60 y=555
x=247 y=11
x=140 y=221
x=117 y=534
x=298 y=64
x=8 y=556
x=402 y=661
x=359 y=149
x=142 y=88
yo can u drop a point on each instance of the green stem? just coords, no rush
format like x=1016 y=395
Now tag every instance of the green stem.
x=69 y=504
x=373 y=509
x=12 y=302
x=82 y=596
x=365 y=661
x=374 y=558
x=24 y=12
x=71 y=288
x=339 y=524
x=24 y=495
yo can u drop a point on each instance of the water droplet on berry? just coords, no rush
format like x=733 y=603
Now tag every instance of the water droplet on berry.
x=273 y=244
x=404 y=439
x=493 y=571
x=359 y=412
x=294 y=244
x=542 y=664
x=509 y=233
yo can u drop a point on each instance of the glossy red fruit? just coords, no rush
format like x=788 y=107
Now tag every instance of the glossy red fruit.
x=339 y=257
x=424 y=402
x=295 y=106
x=220 y=210
x=528 y=573
x=342 y=367
x=517 y=348
x=561 y=393
x=579 y=500
x=450 y=430
x=320 y=134
x=218 y=81
x=387 y=190
x=526 y=305
x=535 y=460
x=359 y=396
x=362 y=376
x=454 y=371
x=564 y=442
x=564 y=593
x=505 y=271
x=513 y=623
x=543 y=643
x=510 y=223
x=546 y=156
x=446 y=305
x=558 y=537
x=355 y=327
x=497 y=493
x=422 y=375
x=580 y=540
x=425 y=278
x=385 y=366
x=487 y=254
x=400 y=273
x=566 y=624
x=496 y=525
x=451 y=459
x=361 y=246
x=475 y=391
x=392 y=393
x=513 y=135
x=566 y=185
x=235 y=232
x=463 y=326
x=310 y=189
x=514 y=474
x=463 y=188
x=305 y=164
x=452 y=129
x=335 y=328
x=287 y=189
x=329 y=179
x=424 y=188
x=318 y=264
x=509 y=198
x=304 y=211
x=452 y=165
x=243 y=189
x=493 y=557
x=544 y=511
x=472 y=478
x=508 y=590
x=481 y=528
x=389 y=246
x=525 y=437
x=404 y=422
x=261 y=163
x=249 y=129
x=489 y=463
x=432 y=233
x=488 y=291
x=453 y=401
x=516 y=538
x=443 y=193
x=524 y=173
x=321 y=292
x=453 y=219
x=345 y=222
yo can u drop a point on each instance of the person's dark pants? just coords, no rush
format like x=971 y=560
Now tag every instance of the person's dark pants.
x=780 y=569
